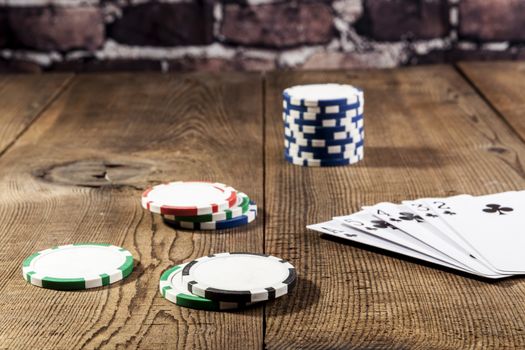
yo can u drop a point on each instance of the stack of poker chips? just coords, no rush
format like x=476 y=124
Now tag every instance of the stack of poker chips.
x=323 y=124
x=197 y=205
x=227 y=281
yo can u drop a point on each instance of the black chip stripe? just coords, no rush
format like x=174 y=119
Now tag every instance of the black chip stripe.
x=190 y=286
x=187 y=268
x=271 y=293
x=236 y=296
x=291 y=280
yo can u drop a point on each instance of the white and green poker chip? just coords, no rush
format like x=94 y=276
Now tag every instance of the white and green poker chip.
x=78 y=266
x=172 y=288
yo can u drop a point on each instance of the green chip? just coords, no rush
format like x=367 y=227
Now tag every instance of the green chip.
x=172 y=288
x=78 y=266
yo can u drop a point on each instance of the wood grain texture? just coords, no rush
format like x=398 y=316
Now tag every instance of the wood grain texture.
x=77 y=175
x=22 y=99
x=503 y=85
x=427 y=134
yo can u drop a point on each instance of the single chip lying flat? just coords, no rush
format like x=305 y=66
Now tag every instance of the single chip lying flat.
x=78 y=266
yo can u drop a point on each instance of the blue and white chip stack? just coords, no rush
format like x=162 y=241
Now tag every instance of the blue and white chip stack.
x=323 y=124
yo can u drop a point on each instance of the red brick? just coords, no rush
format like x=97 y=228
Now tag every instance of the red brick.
x=393 y=20
x=165 y=24
x=492 y=20
x=278 y=25
x=57 y=28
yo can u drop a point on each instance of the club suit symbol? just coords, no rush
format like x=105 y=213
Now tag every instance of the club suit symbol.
x=383 y=224
x=496 y=208
x=410 y=216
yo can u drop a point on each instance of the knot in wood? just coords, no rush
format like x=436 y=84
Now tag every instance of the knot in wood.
x=97 y=173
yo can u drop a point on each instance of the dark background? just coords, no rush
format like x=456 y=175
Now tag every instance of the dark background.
x=91 y=35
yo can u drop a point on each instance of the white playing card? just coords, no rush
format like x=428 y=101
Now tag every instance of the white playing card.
x=416 y=226
x=491 y=225
x=438 y=207
x=337 y=229
x=420 y=207
x=368 y=223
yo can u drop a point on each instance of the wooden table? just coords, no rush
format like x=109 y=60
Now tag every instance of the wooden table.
x=77 y=150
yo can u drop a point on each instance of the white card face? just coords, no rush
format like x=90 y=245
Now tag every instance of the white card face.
x=416 y=226
x=420 y=207
x=368 y=223
x=491 y=225
x=337 y=229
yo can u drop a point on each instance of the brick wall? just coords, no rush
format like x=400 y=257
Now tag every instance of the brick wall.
x=172 y=35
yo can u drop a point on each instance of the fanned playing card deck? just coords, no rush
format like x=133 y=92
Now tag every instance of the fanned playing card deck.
x=480 y=235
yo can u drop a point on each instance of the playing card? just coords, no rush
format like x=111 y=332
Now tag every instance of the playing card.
x=490 y=224
x=368 y=223
x=420 y=207
x=416 y=226
x=337 y=229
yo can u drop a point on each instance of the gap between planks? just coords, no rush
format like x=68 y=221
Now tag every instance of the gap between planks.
x=486 y=100
x=39 y=113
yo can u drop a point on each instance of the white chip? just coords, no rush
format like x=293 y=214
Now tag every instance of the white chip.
x=189 y=198
x=239 y=277
x=78 y=266
x=321 y=92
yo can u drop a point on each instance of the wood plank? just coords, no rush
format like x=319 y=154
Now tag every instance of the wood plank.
x=503 y=85
x=427 y=134
x=77 y=175
x=22 y=99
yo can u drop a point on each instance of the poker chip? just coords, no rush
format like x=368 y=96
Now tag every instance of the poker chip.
x=200 y=205
x=323 y=130
x=173 y=289
x=240 y=220
x=313 y=116
x=323 y=124
x=239 y=277
x=241 y=208
x=323 y=150
x=182 y=198
x=322 y=155
x=324 y=162
x=77 y=266
x=318 y=95
x=322 y=110
x=319 y=143
x=320 y=134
